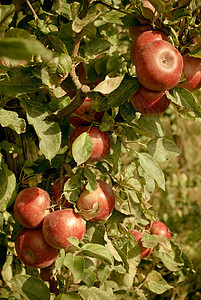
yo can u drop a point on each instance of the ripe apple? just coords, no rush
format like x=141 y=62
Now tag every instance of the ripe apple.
x=56 y=193
x=143 y=39
x=33 y=250
x=101 y=142
x=137 y=30
x=159 y=66
x=138 y=236
x=105 y=197
x=159 y=228
x=192 y=71
x=31 y=206
x=60 y=225
x=149 y=102
x=84 y=115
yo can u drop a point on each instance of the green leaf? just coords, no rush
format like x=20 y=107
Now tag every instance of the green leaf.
x=11 y=119
x=94 y=293
x=49 y=133
x=8 y=187
x=162 y=149
x=62 y=8
x=92 y=184
x=152 y=124
x=20 y=80
x=79 y=24
x=68 y=296
x=152 y=169
x=158 y=4
x=19 y=48
x=97 y=251
x=127 y=111
x=185 y=98
x=96 y=46
x=6 y=15
x=82 y=148
x=30 y=287
x=61 y=64
x=156 y=284
x=106 y=123
x=149 y=240
x=89 y=277
x=108 y=85
x=120 y=95
x=75 y=264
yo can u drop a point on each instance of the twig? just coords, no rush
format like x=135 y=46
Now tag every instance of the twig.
x=114 y=8
x=32 y=9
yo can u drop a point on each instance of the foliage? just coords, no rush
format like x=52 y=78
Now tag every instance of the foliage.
x=42 y=44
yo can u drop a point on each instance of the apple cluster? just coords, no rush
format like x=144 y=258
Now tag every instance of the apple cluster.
x=159 y=66
x=45 y=231
x=156 y=228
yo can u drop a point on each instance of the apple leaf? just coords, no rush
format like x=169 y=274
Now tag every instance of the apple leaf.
x=19 y=48
x=92 y=184
x=96 y=46
x=162 y=149
x=156 y=283
x=185 y=98
x=97 y=251
x=30 y=288
x=11 y=119
x=108 y=85
x=6 y=15
x=89 y=213
x=49 y=133
x=94 y=293
x=68 y=296
x=151 y=124
x=127 y=87
x=82 y=148
x=152 y=169
x=158 y=4
x=75 y=264
x=8 y=187
x=79 y=24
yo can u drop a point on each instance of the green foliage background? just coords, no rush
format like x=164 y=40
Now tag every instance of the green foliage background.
x=153 y=163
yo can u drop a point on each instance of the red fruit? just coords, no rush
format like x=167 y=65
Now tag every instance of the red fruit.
x=85 y=114
x=192 y=71
x=159 y=66
x=60 y=225
x=144 y=39
x=101 y=142
x=149 y=102
x=105 y=197
x=57 y=194
x=138 y=236
x=33 y=250
x=159 y=228
x=31 y=206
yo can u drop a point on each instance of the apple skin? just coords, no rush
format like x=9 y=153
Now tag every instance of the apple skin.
x=192 y=71
x=138 y=235
x=136 y=31
x=85 y=114
x=60 y=225
x=159 y=228
x=56 y=194
x=31 y=206
x=159 y=66
x=101 y=141
x=143 y=39
x=33 y=250
x=105 y=197
x=149 y=102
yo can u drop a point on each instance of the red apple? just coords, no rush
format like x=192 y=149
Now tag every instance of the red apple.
x=60 y=225
x=105 y=197
x=192 y=71
x=159 y=66
x=138 y=236
x=149 y=102
x=159 y=228
x=31 y=206
x=2 y=62
x=137 y=30
x=143 y=39
x=101 y=142
x=84 y=115
x=56 y=193
x=33 y=250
